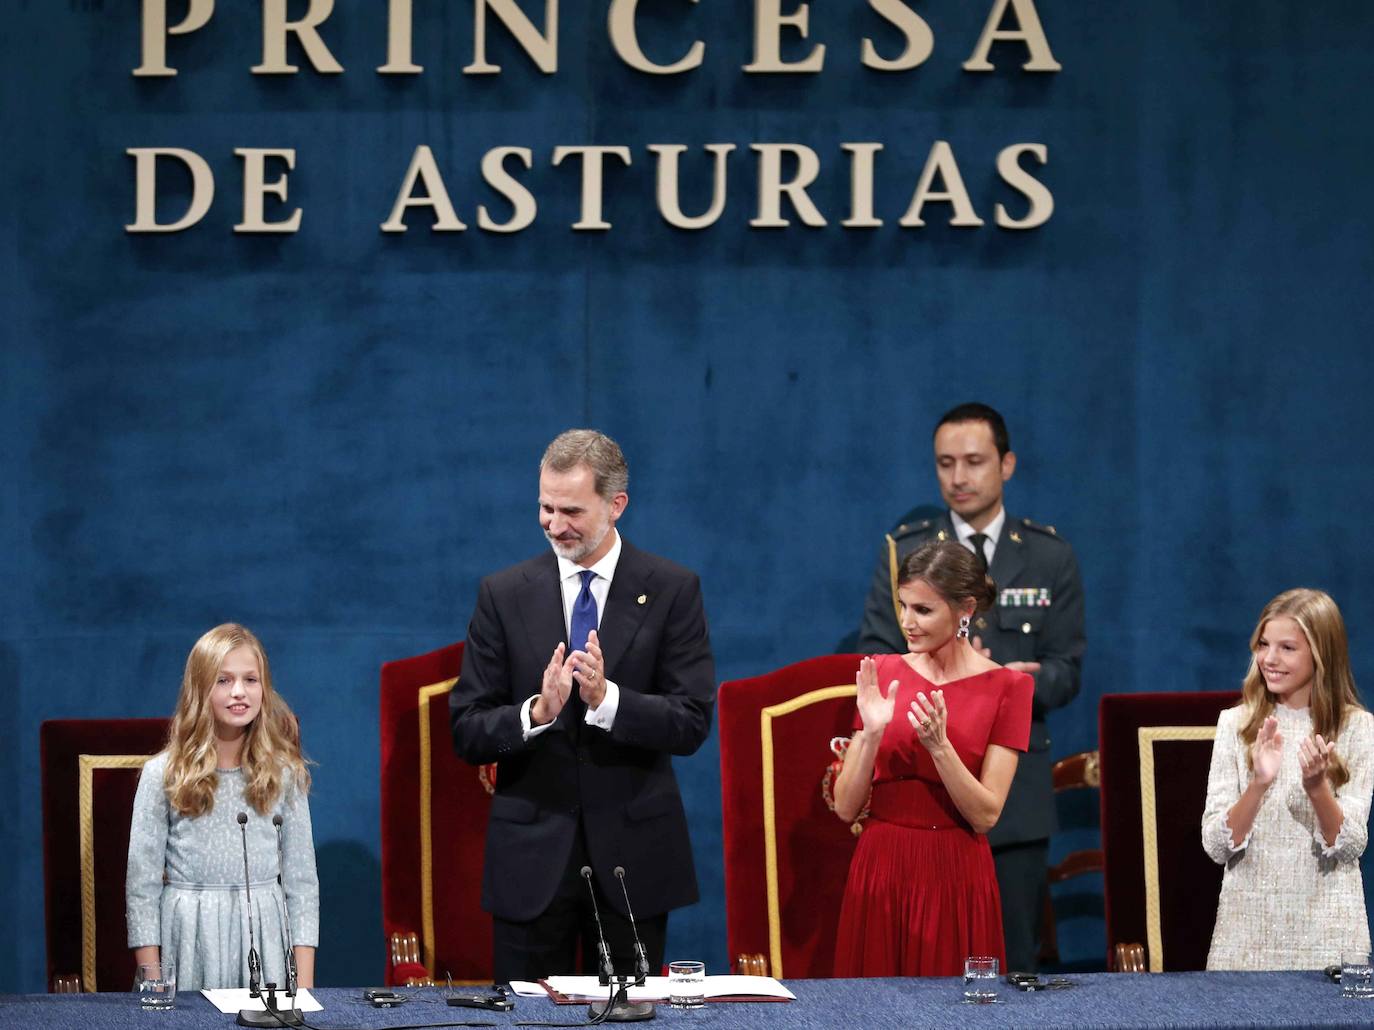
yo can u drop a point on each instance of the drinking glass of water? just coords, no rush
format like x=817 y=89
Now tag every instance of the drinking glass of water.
x=980 y=980
x=1357 y=975
x=156 y=984
x=686 y=985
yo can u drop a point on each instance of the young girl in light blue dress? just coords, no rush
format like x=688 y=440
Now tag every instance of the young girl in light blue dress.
x=233 y=747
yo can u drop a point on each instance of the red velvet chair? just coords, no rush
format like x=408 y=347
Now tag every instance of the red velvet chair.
x=1161 y=888
x=786 y=854
x=90 y=770
x=434 y=827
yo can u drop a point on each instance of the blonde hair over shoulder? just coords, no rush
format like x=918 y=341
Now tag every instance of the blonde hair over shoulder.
x=1333 y=684
x=271 y=759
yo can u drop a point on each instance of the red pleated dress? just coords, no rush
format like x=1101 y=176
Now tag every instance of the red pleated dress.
x=922 y=892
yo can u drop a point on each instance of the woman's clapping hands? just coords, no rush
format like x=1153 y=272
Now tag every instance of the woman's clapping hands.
x=928 y=717
x=875 y=709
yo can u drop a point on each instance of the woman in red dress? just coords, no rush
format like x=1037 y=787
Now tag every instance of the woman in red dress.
x=933 y=755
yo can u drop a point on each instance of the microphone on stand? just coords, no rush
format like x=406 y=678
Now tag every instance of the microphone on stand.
x=268 y=1017
x=254 y=966
x=291 y=978
x=619 y=1009
x=641 y=956
x=607 y=971
x=290 y=1016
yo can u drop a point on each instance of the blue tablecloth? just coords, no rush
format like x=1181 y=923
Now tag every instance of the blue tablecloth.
x=1098 y=1000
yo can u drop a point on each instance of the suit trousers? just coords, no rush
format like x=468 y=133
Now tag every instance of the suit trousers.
x=549 y=944
x=1021 y=878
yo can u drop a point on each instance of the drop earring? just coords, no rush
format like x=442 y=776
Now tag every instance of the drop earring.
x=963 y=627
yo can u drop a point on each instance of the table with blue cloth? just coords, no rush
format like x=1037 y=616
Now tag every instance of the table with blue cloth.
x=1097 y=1000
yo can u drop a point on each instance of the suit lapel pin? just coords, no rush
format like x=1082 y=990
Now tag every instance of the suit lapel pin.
x=642 y=598
x=1015 y=537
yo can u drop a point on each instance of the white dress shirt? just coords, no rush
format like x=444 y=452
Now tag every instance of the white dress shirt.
x=570 y=580
x=993 y=531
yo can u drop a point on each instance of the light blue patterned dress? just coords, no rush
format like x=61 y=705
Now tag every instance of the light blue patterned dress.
x=185 y=893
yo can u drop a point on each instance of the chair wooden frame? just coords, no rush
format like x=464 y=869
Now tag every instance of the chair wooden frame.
x=1076 y=772
x=420 y=774
x=83 y=865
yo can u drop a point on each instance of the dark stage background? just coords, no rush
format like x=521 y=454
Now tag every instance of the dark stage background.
x=332 y=435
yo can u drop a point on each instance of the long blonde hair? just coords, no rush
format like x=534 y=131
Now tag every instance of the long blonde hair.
x=271 y=749
x=1333 y=684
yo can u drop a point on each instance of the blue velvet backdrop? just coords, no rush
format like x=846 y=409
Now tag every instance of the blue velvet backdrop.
x=331 y=435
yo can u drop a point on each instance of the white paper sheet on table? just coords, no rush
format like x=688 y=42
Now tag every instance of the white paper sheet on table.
x=656 y=988
x=231 y=999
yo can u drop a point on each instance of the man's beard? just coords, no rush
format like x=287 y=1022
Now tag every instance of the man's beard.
x=576 y=550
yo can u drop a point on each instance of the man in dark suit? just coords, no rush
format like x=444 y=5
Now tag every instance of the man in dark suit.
x=1036 y=626
x=585 y=670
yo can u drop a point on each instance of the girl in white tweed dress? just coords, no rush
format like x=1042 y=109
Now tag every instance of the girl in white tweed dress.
x=1288 y=794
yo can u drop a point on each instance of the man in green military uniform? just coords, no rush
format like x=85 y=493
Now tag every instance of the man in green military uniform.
x=1036 y=627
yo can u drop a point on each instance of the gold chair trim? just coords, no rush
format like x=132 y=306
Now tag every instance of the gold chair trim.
x=1149 y=832
x=892 y=575
x=770 y=825
x=426 y=694
x=85 y=802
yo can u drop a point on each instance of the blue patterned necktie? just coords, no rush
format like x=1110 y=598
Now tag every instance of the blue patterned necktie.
x=583 y=614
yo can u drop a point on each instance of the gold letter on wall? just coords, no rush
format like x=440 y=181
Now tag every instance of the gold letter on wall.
x=669 y=202
x=771 y=186
x=422 y=166
x=1028 y=30
x=768 y=25
x=543 y=50
x=255 y=188
x=145 y=188
x=274 y=31
x=621 y=25
x=399 y=26
x=861 y=185
x=521 y=199
x=920 y=41
x=591 y=180
x=155 y=32
x=1041 y=199
x=941 y=162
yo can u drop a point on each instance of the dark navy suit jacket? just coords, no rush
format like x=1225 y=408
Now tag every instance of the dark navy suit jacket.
x=618 y=785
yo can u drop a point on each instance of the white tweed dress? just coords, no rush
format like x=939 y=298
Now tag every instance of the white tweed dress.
x=1287 y=900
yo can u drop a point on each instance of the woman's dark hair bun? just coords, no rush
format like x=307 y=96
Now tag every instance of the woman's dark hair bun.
x=952 y=570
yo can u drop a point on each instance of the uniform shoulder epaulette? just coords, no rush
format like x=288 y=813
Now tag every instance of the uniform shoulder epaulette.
x=1047 y=530
x=909 y=528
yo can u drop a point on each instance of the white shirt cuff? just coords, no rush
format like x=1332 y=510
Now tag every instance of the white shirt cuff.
x=529 y=732
x=604 y=715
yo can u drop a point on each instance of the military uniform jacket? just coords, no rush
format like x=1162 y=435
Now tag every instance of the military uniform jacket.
x=1038 y=618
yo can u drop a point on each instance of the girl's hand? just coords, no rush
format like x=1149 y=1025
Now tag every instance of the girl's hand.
x=875 y=710
x=929 y=716
x=1267 y=752
x=1314 y=759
